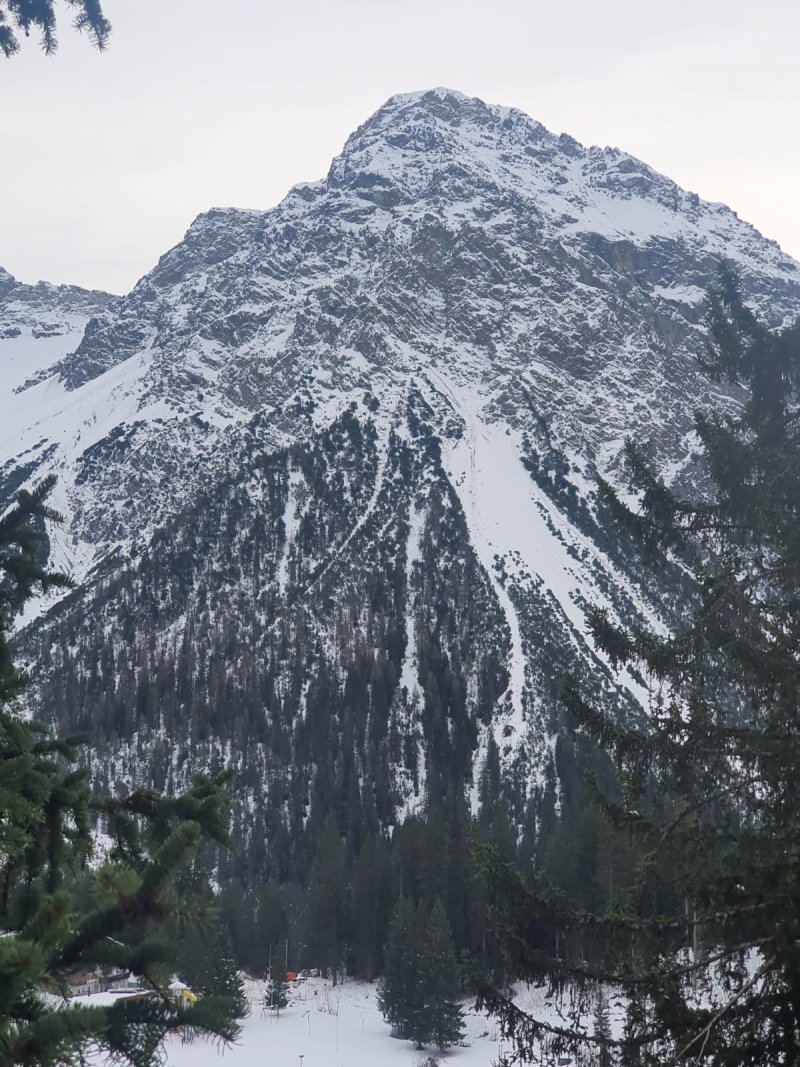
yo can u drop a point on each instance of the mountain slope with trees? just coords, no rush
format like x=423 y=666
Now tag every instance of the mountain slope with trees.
x=328 y=482
x=703 y=941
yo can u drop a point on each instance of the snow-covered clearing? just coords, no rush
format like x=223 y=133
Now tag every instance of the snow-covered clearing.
x=329 y=1027
x=343 y=1027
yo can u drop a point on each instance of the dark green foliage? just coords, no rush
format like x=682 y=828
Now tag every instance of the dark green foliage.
x=40 y=16
x=46 y=808
x=442 y=1016
x=632 y=1054
x=418 y=993
x=703 y=941
x=327 y=903
x=370 y=903
x=398 y=990
x=276 y=994
x=206 y=962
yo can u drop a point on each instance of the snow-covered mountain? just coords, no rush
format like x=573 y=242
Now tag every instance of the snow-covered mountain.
x=327 y=469
x=38 y=323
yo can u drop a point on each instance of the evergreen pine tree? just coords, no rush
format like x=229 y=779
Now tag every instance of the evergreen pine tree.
x=398 y=990
x=709 y=787
x=418 y=992
x=270 y=929
x=440 y=1019
x=327 y=917
x=276 y=995
x=213 y=971
x=45 y=840
x=631 y=1052
x=369 y=903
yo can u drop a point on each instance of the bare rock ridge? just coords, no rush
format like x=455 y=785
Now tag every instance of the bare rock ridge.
x=328 y=468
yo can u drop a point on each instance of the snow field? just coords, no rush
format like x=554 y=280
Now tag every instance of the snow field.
x=343 y=1027
x=329 y=1027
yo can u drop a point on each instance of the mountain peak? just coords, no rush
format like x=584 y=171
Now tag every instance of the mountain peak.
x=445 y=105
x=447 y=108
x=427 y=96
x=415 y=136
x=327 y=471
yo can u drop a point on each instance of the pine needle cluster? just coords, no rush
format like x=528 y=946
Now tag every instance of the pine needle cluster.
x=24 y=16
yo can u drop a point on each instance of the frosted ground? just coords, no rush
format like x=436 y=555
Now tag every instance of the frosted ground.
x=336 y=1027
x=328 y=1027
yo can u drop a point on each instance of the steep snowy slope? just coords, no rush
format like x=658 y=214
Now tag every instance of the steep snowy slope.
x=327 y=469
x=39 y=324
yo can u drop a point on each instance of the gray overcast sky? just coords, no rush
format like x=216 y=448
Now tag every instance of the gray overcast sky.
x=107 y=158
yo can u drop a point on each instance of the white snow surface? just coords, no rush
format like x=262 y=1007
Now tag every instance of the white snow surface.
x=516 y=530
x=338 y=1027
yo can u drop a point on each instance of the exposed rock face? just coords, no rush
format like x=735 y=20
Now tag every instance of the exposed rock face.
x=328 y=468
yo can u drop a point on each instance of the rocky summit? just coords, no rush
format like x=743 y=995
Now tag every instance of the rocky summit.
x=327 y=471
